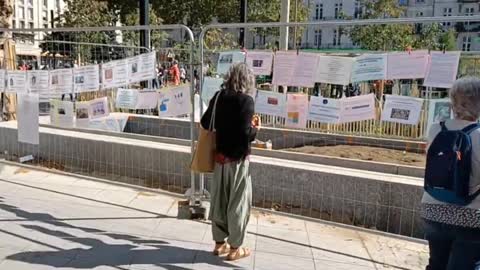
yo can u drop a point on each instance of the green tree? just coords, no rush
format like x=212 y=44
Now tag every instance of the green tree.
x=6 y=11
x=448 y=40
x=383 y=37
x=132 y=38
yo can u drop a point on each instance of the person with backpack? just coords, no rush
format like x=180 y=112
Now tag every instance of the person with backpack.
x=450 y=204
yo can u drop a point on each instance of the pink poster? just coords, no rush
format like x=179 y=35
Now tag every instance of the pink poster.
x=297 y=111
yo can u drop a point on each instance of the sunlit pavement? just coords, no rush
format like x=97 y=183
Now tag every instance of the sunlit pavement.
x=55 y=221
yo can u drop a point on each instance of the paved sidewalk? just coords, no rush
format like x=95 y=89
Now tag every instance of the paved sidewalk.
x=52 y=221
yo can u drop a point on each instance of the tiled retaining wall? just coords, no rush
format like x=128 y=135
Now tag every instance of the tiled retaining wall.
x=373 y=200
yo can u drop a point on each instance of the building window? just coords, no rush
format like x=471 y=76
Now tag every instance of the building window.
x=30 y=13
x=22 y=24
x=14 y=24
x=318 y=38
x=467 y=43
x=30 y=2
x=420 y=14
x=45 y=3
x=447 y=12
x=318 y=11
x=338 y=10
x=469 y=12
x=45 y=25
x=57 y=4
x=31 y=25
x=21 y=13
x=337 y=37
x=420 y=1
x=358 y=12
x=45 y=15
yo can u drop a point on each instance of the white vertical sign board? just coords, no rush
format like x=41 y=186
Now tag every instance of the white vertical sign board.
x=334 y=70
x=82 y=113
x=38 y=82
x=270 y=103
x=149 y=99
x=115 y=74
x=402 y=109
x=358 y=108
x=61 y=113
x=227 y=59
x=442 y=70
x=61 y=81
x=369 y=67
x=292 y=69
x=99 y=108
x=16 y=81
x=325 y=110
x=3 y=80
x=174 y=102
x=260 y=62
x=210 y=87
x=405 y=65
x=297 y=110
x=86 y=78
x=126 y=98
x=28 y=116
x=141 y=67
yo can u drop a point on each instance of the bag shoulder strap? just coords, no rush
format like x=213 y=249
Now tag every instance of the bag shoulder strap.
x=471 y=128
x=212 y=119
x=444 y=126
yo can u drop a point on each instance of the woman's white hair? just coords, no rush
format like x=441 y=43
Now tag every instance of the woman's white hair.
x=240 y=78
x=465 y=96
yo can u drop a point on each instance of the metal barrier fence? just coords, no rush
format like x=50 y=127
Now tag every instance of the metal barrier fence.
x=370 y=128
x=69 y=47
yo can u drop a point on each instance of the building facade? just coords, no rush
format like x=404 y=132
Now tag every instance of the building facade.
x=333 y=37
x=29 y=14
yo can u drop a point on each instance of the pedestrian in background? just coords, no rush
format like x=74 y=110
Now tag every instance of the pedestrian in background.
x=231 y=192
x=453 y=229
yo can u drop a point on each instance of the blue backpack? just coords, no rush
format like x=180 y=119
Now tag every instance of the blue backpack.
x=449 y=162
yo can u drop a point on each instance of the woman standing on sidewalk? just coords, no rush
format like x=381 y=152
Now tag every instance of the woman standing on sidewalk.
x=231 y=192
x=453 y=230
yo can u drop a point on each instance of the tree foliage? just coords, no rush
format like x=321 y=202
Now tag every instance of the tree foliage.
x=132 y=38
x=397 y=37
x=6 y=10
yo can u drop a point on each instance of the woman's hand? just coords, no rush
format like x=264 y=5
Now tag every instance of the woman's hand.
x=256 y=122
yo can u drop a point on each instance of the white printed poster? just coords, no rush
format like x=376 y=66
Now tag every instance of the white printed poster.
x=115 y=74
x=126 y=98
x=86 y=78
x=297 y=110
x=61 y=113
x=99 y=108
x=3 y=80
x=61 y=81
x=292 y=69
x=27 y=118
x=142 y=67
x=226 y=59
x=210 y=87
x=148 y=100
x=82 y=113
x=334 y=70
x=325 y=110
x=439 y=110
x=38 y=81
x=260 y=62
x=369 y=67
x=16 y=81
x=358 y=108
x=270 y=103
x=442 y=70
x=174 y=102
x=402 y=109
x=407 y=65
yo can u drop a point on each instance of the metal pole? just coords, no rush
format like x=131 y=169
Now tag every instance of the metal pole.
x=243 y=19
x=144 y=20
x=284 y=18
x=295 y=28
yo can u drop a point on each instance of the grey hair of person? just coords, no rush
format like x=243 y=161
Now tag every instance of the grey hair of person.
x=465 y=96
x=240 y=78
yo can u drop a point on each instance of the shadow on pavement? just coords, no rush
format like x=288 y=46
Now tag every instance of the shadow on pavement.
x=101 y=248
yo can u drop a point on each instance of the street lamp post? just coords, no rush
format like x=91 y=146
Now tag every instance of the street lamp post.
x=144 y=20
x=243 y=19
